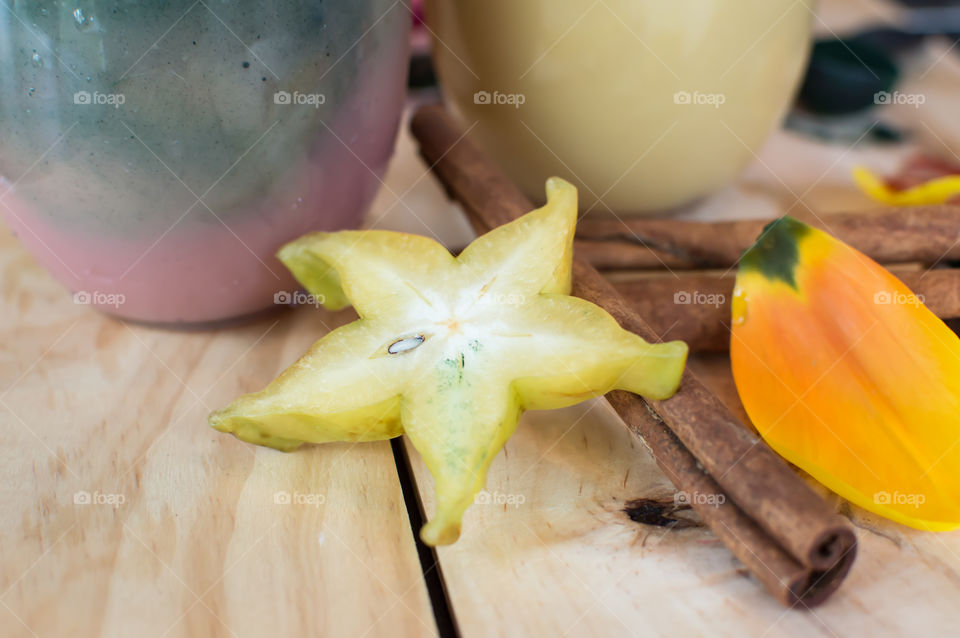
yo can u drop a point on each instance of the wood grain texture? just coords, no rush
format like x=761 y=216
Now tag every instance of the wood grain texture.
x=568 y=560
x=187 y=532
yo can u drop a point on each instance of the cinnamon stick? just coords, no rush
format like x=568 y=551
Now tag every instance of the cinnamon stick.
x=785 y=534
x=789 y=581
x=695 y=307
x=927 y=234
x=758 y=480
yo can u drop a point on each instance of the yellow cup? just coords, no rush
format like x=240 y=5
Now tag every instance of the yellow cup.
x=646 y=105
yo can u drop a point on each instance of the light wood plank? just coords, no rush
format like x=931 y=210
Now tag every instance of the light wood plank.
x=199 y=545
x=568 y=561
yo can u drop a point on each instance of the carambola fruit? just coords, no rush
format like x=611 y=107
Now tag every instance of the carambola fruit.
x=449 y=350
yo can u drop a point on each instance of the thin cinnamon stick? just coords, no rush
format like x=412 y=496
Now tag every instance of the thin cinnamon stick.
x=621 y=254
x=695 y=307
x=927 y=234
x=775 y=517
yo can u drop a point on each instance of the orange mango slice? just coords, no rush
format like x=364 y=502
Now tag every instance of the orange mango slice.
x=846 y=374
x=939 y=190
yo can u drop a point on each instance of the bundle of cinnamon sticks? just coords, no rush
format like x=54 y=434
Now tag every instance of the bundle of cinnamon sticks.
x=785 y=534
x=926 y=234
x=695 y=306
x=660 y=263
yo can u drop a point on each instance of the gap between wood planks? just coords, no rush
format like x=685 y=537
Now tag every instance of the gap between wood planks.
x=429 y=563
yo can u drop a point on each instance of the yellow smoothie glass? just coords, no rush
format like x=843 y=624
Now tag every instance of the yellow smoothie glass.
x=645 y=105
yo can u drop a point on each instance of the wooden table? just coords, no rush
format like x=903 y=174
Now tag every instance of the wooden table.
x=188 y=532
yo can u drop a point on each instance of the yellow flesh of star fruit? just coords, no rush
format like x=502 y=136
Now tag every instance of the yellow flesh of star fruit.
x=449 y=350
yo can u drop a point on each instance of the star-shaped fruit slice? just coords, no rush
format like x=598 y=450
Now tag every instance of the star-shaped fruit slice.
x=449 y=350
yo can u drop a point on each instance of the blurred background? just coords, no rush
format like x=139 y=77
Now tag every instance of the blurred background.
x=774 y=103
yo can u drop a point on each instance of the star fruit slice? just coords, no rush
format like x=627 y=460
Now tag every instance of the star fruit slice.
x=449 y=350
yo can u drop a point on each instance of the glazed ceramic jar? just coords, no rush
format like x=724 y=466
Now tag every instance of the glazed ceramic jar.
x=154 y=156
x=646 y=105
